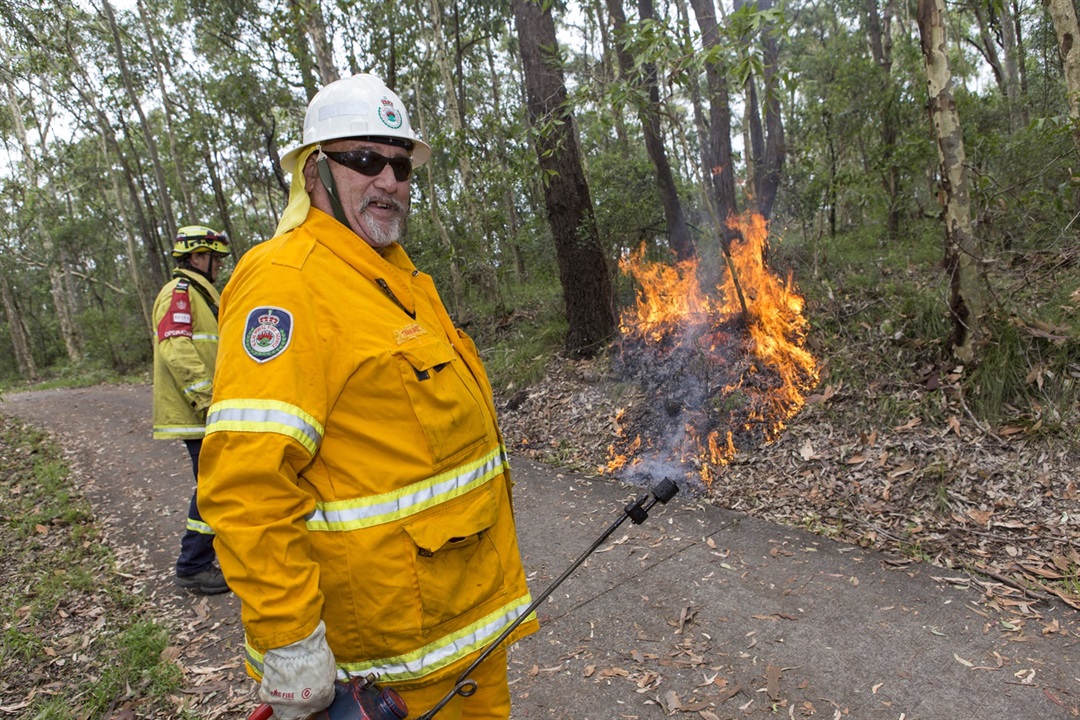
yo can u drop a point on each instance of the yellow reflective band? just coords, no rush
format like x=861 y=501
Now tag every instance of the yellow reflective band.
x=341 y=515
x=199 y=527
x=427 y=659
x=254 y=659
x=442 y=652
x=265 y=416
x=201 y=337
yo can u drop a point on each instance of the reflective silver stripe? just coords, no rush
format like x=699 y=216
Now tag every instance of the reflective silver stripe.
x=340 y=515
x=196 y=386
x=199 y=527
x=429 y=658
x=442 y=652
x=204 y=336
x=178 y=429
x=265 y=416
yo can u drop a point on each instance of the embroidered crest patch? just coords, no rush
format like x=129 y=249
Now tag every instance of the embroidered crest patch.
x=177 y=319
x=389 y=114
x=267 y=333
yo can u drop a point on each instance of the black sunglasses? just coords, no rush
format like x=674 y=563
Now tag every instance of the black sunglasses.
x=371 y=163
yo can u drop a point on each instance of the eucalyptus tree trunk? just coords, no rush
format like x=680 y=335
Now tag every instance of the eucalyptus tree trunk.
x=457 y=295
x=961 y=253
x=1063 y=13
x=583 y=266
x=222 y=201
x=484 y=272
x=701 y=125
x=84 y=87
x=521 y=273
x=150 y=27
x=996 y=27
x=719 y=164
x=148 y=132
x=297 y=40
x=879 y=30
x=20 y=338
x=315 y=26
x=649 y=116
x=39 y=203
x=767 y=137
x=1013 y=64
x=141 y=290
x=987 y=44
x=146 y=232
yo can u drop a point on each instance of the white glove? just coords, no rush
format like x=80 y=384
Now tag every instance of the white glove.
x=298 y=679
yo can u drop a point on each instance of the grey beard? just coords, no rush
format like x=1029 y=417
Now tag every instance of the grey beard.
x=383 y=234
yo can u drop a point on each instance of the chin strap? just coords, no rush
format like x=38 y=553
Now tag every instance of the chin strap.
x=323 y=166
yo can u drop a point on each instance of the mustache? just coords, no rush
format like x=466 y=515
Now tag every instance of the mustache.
x=400 y=207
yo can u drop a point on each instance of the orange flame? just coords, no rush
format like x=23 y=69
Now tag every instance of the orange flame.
x=671 y=302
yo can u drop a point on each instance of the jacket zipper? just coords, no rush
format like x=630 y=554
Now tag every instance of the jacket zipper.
x=390 y=294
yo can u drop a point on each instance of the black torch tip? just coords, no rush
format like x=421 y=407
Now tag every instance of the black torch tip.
x=665 y=490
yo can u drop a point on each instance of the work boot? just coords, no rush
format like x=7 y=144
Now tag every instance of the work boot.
x=205 y=582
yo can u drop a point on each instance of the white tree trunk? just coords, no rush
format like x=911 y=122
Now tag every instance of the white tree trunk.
x=961 y=259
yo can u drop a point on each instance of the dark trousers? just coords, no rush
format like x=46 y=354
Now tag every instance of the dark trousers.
x=197 y=545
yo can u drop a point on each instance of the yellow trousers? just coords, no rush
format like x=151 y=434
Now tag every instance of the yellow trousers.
x=490 y=702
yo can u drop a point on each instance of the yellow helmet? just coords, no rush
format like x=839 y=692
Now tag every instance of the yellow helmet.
x=191 y=238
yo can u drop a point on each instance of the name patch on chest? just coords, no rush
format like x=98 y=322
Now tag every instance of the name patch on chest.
x=401 y=335
x=267 y=333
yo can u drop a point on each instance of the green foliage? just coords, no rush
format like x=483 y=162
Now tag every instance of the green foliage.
x=517 y=346
x=880 y=323
x=63 y=375
x=1027 y=375
x=628 y=210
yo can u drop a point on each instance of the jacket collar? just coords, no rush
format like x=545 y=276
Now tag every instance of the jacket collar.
x=206 y=285
x=390 y=268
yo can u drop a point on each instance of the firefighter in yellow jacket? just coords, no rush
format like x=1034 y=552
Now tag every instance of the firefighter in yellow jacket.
x=352 y=468
x=185 y=347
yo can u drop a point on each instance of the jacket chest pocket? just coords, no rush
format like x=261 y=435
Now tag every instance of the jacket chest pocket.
x=446 y=403
x=458 y=567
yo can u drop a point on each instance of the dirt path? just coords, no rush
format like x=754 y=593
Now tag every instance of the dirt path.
x=140 y=489
x=699 y=612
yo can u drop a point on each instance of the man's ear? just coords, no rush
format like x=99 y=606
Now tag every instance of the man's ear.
x=310 y=173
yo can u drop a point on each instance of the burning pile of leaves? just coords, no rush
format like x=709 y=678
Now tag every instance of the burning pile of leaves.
x=692 y=393
x=725 y=368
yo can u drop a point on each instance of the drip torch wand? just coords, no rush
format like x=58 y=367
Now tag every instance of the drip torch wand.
x=637 y=511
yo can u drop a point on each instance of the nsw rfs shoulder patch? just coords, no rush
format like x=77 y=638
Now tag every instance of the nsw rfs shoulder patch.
x=177 y=319
x=267 y=333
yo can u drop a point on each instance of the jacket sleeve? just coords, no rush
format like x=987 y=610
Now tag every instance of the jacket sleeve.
x=173 y=316
x=264 y=427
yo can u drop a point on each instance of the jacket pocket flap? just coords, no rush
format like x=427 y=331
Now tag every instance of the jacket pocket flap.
x=455 y=520
x=427 y=355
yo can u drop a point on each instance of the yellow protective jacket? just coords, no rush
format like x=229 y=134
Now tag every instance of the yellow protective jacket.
x=185 y=348
x=352 y=467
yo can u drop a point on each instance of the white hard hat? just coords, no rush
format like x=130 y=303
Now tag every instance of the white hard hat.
x=357 y=106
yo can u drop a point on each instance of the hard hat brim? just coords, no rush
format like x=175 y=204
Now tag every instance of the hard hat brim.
x=421 y=154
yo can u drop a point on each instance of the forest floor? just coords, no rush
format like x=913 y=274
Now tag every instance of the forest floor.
x=996 y=508
x=1000 y=504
